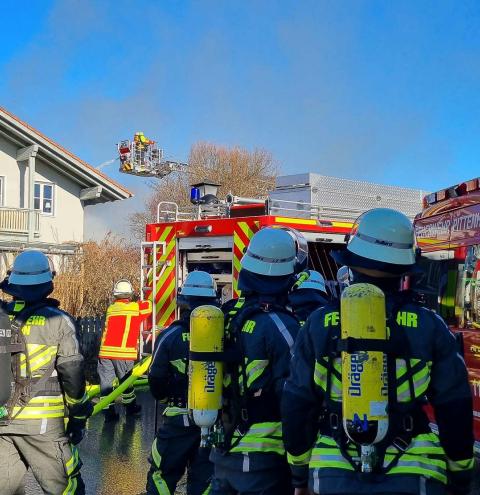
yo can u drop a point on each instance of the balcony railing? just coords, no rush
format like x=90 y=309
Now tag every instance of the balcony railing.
x=15 y=221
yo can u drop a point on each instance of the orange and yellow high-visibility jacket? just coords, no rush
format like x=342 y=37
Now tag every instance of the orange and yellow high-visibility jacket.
x=122 y=329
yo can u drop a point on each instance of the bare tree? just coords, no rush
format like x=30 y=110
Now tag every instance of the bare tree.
x=237 y=170
x=85 y=284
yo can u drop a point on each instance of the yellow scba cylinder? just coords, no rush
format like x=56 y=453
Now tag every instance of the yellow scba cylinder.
x=364 y=372
x=205 y=372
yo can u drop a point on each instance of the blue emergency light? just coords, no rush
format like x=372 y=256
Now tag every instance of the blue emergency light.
x=194 y=195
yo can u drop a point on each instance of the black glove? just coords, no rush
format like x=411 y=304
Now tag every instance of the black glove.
x=299 y=476
x=77 y=420
x=75 y=430
x=459 y=482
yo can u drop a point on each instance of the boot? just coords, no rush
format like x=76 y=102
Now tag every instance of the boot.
x=110 y=414
x=133 y=409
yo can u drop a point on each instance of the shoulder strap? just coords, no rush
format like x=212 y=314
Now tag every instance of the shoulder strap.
x=283 y=330
x=180 y=323
x=24 y=389
x=166 y=333
x=399 y=436
x=244 y=310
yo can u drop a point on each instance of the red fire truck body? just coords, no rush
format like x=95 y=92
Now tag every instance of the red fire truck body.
x=217 y=244
x=213 y=235
x=448 y=233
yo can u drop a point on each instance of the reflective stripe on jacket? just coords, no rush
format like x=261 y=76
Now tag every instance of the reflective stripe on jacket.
x=261 y=437
x=428 y=366
x=52 y=347
x=267 y=342
x=122 y=329
x=424 y=457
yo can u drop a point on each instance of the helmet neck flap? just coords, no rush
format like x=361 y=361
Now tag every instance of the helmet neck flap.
x=307 y=296
x=253 y=283
x=389 y=285
x=27 y=293
x=187 y=304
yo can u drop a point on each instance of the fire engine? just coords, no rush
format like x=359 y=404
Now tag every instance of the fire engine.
x=213 y=234
x=448 y=233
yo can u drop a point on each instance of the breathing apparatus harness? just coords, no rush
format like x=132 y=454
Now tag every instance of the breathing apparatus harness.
x=24 y=388
x=182 y=382
x=406 y=420
x=241 y=408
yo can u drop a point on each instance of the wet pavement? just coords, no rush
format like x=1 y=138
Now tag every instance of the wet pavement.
x=115 y=455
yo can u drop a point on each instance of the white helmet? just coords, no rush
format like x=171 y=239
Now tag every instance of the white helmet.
x=301 y=246
x=271 y=252
x=380 y=236
x=31 y=267
x=311 y=279
x=199 y=284
x=123 y=288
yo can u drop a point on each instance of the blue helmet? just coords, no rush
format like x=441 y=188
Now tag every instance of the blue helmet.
x=271 y=252
x=198 y=284
x=311 y=279
x=31 y=267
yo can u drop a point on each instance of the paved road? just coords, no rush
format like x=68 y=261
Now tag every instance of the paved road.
x=115 y=455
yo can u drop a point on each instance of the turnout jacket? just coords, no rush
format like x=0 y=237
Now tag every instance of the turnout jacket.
x=304 y=302
x=52 y=348
x=267 y=339
x=168 y=375
x=122 y=329
x=429 y=355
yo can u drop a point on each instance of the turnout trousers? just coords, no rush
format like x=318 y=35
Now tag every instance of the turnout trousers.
x=108 y=370
x=55 y=463
x=336 y=482
x=250 y=474
x=174 y=450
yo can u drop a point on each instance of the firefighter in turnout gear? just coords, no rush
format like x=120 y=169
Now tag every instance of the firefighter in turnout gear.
x=308 y=294
x=260 y=332
x=119 y=347
x=141 y=145
x=176 y=445
x=49 y=380
x=421 y=363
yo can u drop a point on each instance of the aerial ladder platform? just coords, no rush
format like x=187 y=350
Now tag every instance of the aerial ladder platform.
x=141 y=156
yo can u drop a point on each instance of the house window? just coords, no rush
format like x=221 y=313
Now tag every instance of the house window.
x=2 y=191
x=43 y=197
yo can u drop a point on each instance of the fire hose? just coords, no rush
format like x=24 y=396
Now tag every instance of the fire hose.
x=94 y=390
x=132 y=378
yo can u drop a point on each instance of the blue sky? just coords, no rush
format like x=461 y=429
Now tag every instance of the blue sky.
x=374 y=90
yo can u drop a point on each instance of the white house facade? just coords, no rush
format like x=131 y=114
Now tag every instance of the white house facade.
x=44 y=189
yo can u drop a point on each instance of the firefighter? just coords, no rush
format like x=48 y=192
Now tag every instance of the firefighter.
x=119 y=347
x=49 y=379
x=260 y=331
x=422 y=362
x=141 y=139
x=142 y=145
x=140 y=148
x=176 y=446
x=308 y=294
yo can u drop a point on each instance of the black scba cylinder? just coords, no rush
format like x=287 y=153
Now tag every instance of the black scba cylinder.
x=5 y=358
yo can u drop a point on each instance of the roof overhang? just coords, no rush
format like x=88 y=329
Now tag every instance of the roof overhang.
x=62 y=160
